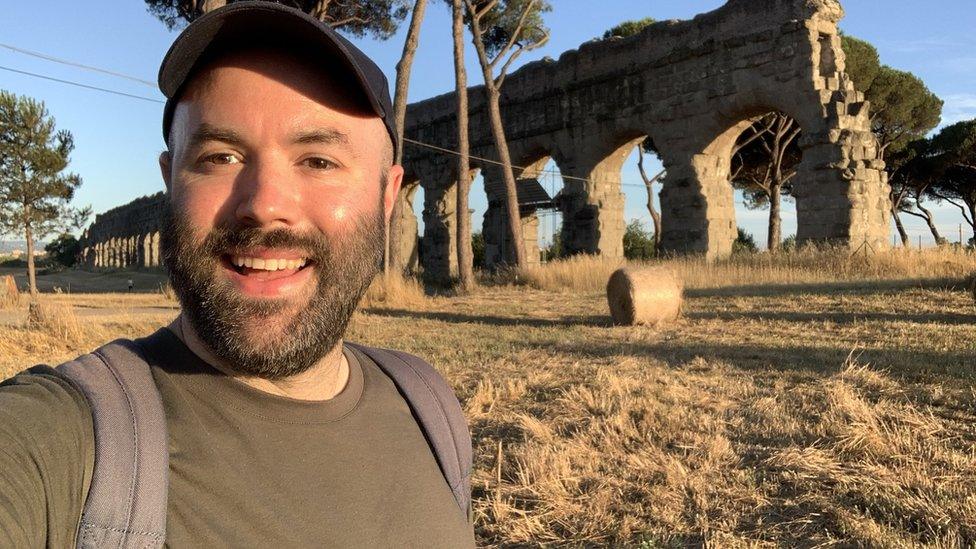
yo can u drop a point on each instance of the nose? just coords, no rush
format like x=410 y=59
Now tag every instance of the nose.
x=267 y=196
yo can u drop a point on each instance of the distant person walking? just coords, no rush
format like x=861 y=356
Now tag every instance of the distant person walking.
x=248 y=421
x=130 y=284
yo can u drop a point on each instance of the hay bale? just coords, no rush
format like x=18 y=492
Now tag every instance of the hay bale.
x=650 y=296
x=9 y=295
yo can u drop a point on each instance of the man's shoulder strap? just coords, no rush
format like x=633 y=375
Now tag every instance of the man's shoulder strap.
x=126 y=502
x=437 y=411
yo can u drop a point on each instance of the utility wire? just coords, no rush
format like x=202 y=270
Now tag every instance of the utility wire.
x=75 y=64
x=80 y=85
x=552 y=173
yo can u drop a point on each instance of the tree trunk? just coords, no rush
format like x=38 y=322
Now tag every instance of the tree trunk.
x=465 y=255
x=493 y=96
x=655 y=218
x=511 y=196
x=400 y=115
x=901 y=228
x=31 y=274
x=972 y=219
x=775 y=237
x=649 y=184
x=403 y=69
x=930 y=221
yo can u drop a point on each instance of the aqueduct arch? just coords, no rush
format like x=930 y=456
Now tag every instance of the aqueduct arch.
x=687 y=85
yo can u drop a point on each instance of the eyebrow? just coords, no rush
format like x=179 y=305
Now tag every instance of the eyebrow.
x=321 y=136
x=207 y=132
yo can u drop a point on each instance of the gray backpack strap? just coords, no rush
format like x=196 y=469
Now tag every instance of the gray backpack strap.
x=437 y=411
x=126 y=505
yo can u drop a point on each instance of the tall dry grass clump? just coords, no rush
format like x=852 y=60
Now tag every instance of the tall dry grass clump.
x=393 y=290
x=648 y=296
x=9 y=295
x=580 y=273
x=56 y=320
x=166 y=290
x=808 y=265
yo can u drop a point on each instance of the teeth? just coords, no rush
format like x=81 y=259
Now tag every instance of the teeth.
x=268 y=264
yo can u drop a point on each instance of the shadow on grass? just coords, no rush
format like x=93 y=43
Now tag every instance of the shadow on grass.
x=827 y=288
x=459 y=318
x=917 y=365
x=838 y=317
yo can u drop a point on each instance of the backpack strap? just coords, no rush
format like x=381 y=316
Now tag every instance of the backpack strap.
x=126 y=503
x=437 y=411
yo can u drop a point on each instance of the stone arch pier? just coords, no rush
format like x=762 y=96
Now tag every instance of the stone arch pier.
x=692 y=86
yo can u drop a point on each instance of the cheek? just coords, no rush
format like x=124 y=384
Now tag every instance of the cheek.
x=201 y=205
x=338 y=211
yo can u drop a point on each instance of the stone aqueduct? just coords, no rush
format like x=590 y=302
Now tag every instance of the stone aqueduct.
x=126 y=236
x=692 y=86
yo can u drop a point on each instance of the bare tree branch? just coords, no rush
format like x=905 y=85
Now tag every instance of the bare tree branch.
x=513 y=38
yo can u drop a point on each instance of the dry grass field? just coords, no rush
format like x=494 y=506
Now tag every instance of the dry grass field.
x=810 y=399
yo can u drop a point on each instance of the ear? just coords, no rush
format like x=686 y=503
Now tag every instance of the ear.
x=393 y=181
x=165 y=167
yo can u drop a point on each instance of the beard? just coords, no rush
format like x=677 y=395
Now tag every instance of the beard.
x=270 y=338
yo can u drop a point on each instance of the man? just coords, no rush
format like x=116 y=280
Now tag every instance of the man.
x=279 y=175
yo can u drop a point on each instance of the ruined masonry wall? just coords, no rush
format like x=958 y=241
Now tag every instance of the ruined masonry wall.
x=689 y=85
x=125 y=237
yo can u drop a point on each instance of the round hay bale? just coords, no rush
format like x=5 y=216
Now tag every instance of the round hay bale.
x=649 y=296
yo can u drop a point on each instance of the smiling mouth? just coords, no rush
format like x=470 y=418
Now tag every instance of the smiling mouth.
x=270 y=267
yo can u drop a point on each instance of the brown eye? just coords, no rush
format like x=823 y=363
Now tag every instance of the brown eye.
x=222 y=158
x=317 y=163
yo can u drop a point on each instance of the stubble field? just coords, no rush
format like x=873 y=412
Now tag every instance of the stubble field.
x=804 y=401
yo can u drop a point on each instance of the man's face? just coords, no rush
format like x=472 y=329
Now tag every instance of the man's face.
x=277 y=209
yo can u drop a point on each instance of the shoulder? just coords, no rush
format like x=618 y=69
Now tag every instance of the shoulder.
x=46 y=458
x=42 y=402
x=44 y=417
x=438 y=412
x=409 y=372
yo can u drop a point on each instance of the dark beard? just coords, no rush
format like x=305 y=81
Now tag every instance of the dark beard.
x=221 y=315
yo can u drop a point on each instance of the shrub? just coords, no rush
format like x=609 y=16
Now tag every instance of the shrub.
x=478 y=250
x=64 y=250
x=789 y=244
x=744 y=243
x=638 y=242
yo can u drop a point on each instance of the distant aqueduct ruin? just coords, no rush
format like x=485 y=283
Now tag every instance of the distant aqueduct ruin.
x=692 y=86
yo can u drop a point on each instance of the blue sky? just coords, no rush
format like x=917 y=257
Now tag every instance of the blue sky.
x=118 y=139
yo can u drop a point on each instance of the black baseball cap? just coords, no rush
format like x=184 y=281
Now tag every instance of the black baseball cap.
x=261 y=22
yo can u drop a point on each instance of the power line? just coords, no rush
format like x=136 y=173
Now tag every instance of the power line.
x=76 y=64
x=443 y=150
x=553 y=173
x=80 y=85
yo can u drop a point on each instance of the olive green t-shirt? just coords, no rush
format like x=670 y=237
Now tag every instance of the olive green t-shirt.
x=247 y=469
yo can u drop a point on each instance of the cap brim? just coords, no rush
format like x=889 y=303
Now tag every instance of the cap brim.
x=256 y=22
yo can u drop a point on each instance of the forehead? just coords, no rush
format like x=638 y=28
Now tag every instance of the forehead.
x=274 y=87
